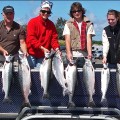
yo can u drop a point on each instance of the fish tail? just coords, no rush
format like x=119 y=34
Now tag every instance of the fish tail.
x=91 y=104
x=71 y=105
x=104 y=102
x=7 y=100
x=45 y=96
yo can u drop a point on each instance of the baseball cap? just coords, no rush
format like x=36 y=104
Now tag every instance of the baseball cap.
x=46 y=4
x=8 y=9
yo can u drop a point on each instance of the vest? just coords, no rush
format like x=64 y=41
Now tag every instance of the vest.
x=113 y=36
x=78 y=42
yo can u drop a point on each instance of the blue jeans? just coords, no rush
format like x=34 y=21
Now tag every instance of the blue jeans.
x=34 y=62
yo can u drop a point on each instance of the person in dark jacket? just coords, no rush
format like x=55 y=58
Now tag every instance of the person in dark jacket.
x=111 y=39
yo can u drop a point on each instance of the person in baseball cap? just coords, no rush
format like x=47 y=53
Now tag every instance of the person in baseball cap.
x=12 y=39
x=8 y=9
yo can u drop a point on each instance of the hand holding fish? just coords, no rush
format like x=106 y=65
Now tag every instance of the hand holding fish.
x=58 y=52
x=89 y=56
x=44 y=49
x=104 y=61
x=5 y=53
x=26 y=53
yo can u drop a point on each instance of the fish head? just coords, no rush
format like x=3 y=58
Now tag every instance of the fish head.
x=105 y=66
x=9 y=58
x=88 y=62
x=47 y=55
x=72 y=62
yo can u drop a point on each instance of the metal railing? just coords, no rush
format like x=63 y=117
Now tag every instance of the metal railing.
x=26 y=113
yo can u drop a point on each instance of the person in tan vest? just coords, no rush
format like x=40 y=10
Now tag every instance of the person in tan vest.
x=78 y=32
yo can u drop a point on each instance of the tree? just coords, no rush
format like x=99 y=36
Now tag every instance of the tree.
x=97 y=42
x=60 y=26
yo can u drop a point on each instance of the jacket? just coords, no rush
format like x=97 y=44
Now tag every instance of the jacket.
x=113 y=35
x=41 y=32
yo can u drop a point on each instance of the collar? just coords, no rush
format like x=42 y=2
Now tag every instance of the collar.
x=3 y=23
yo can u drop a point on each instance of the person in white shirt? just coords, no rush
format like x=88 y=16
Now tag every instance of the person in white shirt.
x=78 y=32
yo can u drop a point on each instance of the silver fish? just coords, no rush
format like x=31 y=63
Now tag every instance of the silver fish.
x=7 y=77
x=24 y=74
x=58 y=71
x=45 y=74
x=105 y=78
x=118 y=78
x=71 y=77
x=89 y=80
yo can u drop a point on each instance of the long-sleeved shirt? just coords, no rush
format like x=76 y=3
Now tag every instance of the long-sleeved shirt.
x=41 y=32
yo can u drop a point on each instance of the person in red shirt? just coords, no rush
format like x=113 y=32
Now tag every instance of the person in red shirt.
x=41 y=36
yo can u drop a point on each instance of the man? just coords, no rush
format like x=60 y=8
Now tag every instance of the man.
x=41 y=36
x=78 y=32
x=12 y=37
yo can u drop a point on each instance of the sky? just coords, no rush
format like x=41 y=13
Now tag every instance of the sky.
x=96 y=11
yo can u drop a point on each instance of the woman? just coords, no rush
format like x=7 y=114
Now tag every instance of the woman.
x=111 y=38
x=41 y=36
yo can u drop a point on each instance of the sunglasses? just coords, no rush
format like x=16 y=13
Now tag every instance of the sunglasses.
x=45 y=11
x=74 y=11
x=9 y=13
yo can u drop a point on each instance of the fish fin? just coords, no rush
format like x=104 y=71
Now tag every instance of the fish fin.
x=104 y=102
x=91 y=104
x=45 y=96
x=7 y=100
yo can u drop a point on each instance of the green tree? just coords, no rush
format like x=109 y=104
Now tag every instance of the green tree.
x=97 y=42
x=60 y=26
